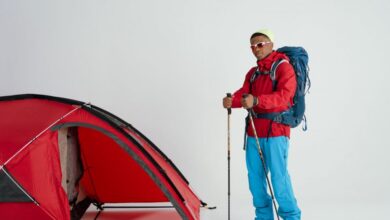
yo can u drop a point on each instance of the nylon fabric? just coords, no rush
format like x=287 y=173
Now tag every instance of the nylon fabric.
x=38 y=170
x=275 y=151
x=22 y=120
x=22 y=211
x=124 y=167
x=10 y=190
x=269 y=100
x=111 y=175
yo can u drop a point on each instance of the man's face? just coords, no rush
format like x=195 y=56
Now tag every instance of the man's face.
x=261 y=50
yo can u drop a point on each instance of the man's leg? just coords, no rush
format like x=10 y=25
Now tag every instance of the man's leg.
x=276 y=154
x=257 y=182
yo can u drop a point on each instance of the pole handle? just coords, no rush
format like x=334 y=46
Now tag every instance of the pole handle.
x=229 y=95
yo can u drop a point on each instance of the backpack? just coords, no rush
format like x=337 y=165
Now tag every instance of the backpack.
x=296 y=113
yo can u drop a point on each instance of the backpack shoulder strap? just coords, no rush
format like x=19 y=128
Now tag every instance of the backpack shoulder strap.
x=255 y=74
x=272 y=73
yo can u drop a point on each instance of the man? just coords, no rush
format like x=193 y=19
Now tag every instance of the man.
x=264 y=97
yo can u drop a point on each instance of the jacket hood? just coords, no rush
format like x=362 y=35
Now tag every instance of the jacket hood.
x=266 y=63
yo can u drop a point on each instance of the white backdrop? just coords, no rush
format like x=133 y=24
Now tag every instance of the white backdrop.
x=164 y=66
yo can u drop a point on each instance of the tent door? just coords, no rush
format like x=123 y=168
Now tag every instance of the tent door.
x=71 y=166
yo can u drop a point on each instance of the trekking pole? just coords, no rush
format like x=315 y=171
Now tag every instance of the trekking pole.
x=228 y=152
x=250 y=112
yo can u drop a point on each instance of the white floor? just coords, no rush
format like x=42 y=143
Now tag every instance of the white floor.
x=320 y=211
x=242 y=210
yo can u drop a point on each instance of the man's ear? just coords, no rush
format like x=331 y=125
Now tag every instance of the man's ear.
x=272 y=45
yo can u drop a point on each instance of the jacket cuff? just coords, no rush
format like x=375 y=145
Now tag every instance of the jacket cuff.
x=255 y=101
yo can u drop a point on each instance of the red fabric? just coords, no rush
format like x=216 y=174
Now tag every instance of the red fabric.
x=38 y=170
x=22 y=210
x=110 y=175
x=269 y=100
x=192 y=201
x=123 y=214
x=22 y=120
x=191 y=204
x=111 y=170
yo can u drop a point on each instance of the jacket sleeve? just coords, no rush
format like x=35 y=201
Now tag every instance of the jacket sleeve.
x=243 y=90
x=285 y=89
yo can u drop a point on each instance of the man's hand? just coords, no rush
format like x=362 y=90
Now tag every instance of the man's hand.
x=249 y=101
x=227 y=102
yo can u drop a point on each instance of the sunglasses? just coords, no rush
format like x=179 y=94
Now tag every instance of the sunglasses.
x=259 y=45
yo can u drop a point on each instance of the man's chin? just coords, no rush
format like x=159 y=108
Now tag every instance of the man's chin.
x=259 y=57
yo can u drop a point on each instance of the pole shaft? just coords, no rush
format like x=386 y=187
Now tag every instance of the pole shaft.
x=228 y=166
x=229 y=111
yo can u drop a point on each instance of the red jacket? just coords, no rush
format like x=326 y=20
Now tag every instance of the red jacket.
x=269 y=100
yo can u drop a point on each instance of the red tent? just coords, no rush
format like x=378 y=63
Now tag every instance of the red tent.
x=53 y=150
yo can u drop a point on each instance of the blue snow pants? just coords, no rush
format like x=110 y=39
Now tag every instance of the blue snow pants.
x=275 y=151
